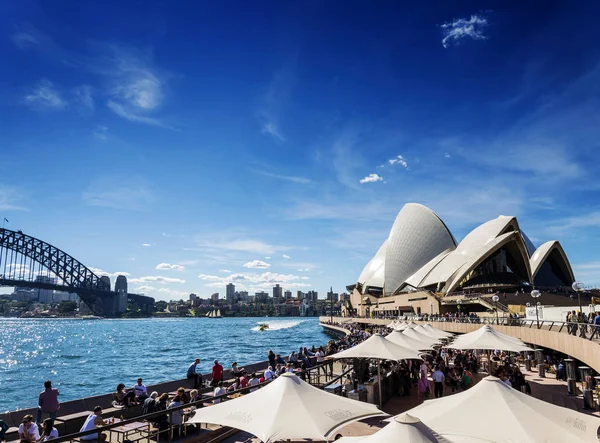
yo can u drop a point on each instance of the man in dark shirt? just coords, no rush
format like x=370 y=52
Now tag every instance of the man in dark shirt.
x=48 y=402
x=191 y=373
x=149 y=404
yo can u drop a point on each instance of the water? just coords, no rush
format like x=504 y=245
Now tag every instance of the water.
x=90 y=357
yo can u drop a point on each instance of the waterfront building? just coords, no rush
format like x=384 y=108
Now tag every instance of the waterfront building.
x=422 y=257
x=261 y=297
x=277 y=294
x=288 y=295
x=215 y=298
x=230 y=293
x=312 y=295
x=193 y=300
x=300 y=295
x=242 y=296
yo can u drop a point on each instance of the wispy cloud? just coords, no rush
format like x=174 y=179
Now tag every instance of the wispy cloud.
x=272 y=129
x=9 y=199
x=286 y=257
x=100 y=132
x=156 y=279
x=168 y=266
x=84 y=95
x=447 y=155
x=457 y=30
x=122 y=111
x=101 y=272
x=398 y=160
x=44 y=96
x=291 y=178
x=147 y=245
x=240 y=242
x=225 y=271
x=25 y=40
x=257 y=264
x=371 y=178
x=118 y=193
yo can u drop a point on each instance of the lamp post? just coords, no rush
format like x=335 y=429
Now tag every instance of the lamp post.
x=578 y=287
x=430 y=308
x=536 y=294
x=495 y=298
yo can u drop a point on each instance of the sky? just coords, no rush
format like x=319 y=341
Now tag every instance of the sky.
x=190 y=144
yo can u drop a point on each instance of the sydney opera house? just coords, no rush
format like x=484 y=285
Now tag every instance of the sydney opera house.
x=422 y=256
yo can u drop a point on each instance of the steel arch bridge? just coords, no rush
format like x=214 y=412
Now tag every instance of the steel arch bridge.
x=26 y=261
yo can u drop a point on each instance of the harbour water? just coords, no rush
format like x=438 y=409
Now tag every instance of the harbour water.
x=90 y=357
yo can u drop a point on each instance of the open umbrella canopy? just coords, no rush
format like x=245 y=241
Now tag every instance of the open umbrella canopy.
x=494 y=412
x=439 y=332
x=430 y=333
x=287 y=408
x=376 y=346
x=427 y=340
x=400 y=326
x=408 y=342
x=487 y=337
x=402 y=428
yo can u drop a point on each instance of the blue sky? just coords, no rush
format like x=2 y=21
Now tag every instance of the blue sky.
x=196 y=143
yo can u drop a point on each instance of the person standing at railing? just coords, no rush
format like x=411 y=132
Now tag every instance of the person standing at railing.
x=573 y=323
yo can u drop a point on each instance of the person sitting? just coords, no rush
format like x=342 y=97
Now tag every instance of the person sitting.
x=253 y=382
x=3 y=428
x=48 y=430
x=269 y=374
x=219 y=390
x=234 y=386
x=196 y=397
x=279 y=359
x=141 y=393
x=149 y=405
x=293 y=359
x=243 y=381
x=191 y=373
x=176 y=416
x=94 y=421
x=28 y=430
x=183 y=396
x=466 y=379
x=124 y=397
x=162 y=421
x=235 y=371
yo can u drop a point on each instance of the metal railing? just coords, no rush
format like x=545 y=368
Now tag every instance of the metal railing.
x=152 y=432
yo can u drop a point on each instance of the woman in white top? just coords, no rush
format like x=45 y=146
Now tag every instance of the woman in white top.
x=48 y=430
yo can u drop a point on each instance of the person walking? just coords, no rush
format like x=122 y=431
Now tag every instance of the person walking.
x=438 y=382
x=48 y=402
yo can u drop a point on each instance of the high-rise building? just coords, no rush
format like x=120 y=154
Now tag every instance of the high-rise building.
x=45 y=295
x=277 y=294
x=261 y=297
x=332 y=296
x=193 y=300
x=300 y=295
x=215 y=298
x=230 y=293
x=121 y=284
x=312 y=295
x=242 y=296
x=288 y=295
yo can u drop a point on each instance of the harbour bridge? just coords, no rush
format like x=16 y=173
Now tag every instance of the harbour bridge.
x=25 y=259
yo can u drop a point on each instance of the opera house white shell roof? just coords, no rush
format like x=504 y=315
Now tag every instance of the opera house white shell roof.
x=420 y=252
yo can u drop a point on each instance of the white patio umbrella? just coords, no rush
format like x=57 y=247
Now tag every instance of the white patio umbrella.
x=376 y=346
x=429 y=333
x=402 y=428
x=429 y=341
x=287 y=408
x=494 y=412
x=408 y=342
x=401 y=326
x=392 y=324
x=438 y=331
x=488 y=338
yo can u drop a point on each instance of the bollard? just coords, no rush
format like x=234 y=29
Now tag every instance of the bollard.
x=586 y=381
x=539 y=356
x=571 y=376
x=528 y=362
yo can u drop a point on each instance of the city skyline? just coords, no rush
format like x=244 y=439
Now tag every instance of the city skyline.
x=188 y=147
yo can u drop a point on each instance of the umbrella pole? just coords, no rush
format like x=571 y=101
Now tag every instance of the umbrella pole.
x=379 y=381
x=489 y=363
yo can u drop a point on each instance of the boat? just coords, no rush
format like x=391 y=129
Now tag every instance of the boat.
x=215 y=313
x=263 y=326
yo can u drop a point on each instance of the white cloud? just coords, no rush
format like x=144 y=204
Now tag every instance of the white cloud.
x=101 y=272
x=272 y=129
x=290 y=178
x=156 y=279
x=147 y=245
x=398 y=160
x=9 y=198
x=447 y=155
x=286 y=256
x=168 y=266
x=303 y=269
x=256 y=264
x=144 y=288
x=225 y=271
x=45 y=96
x=267 y=258
x=84 y=95
x=25 y=40
x=371 y=178
x=121 y=111
x=462 y=28
x=101 y=132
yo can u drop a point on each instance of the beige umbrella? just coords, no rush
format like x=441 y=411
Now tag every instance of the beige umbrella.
x=402 y=428
x=376 y=346
x=429 y=341
x=494 y=412
x=287 y=408
x=408 y=342
x=488 y=338
x=438 y=332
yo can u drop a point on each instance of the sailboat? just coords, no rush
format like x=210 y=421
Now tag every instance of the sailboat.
x=215 y=313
